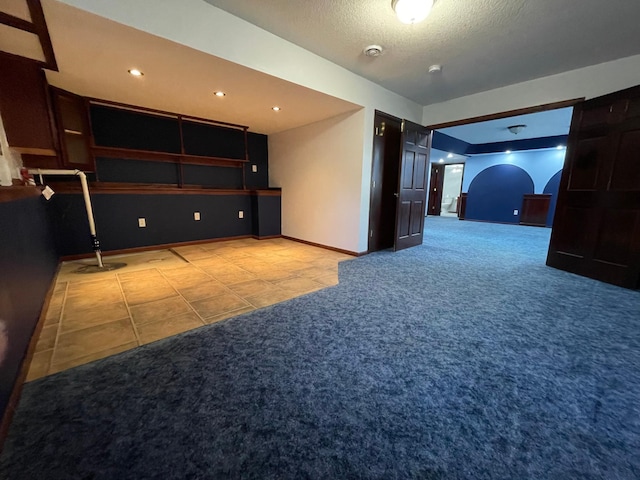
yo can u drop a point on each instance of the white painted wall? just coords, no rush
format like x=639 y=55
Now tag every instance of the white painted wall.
x=587 y=82
x=199 y=25
x=317 y=167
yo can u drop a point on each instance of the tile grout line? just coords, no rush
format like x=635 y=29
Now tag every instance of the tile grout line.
x=126 y=304
x=59 y=329
x=180 y=294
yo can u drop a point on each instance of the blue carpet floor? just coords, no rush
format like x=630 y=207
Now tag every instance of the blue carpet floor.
x=465 y=358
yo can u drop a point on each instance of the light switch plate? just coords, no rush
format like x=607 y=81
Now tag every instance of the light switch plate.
x=515 y=212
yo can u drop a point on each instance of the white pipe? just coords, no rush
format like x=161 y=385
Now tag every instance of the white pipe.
x=87 y=202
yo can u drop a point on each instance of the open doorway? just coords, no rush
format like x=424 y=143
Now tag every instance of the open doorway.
x=451 y=189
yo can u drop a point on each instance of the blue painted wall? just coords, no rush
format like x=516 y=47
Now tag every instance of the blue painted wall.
x=495 y=183
x=552 y=187
x=496 y=192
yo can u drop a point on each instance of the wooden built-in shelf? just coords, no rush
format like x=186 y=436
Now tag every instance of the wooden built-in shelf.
x=154 y=188
x=186 y=159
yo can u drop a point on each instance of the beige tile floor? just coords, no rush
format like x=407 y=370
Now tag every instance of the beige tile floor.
x=166 y=292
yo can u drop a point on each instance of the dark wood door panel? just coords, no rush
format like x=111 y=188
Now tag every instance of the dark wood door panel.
x=616 y=237
x=404 y=220
x=535 y=208
x=417 y=218
x=416 y=141
x=436 y=184
x=626 y=167
x=585 y=163
x=596 y=230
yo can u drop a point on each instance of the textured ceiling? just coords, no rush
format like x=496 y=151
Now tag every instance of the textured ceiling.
x=542 y=124
x=482 y=44
x=176 y=78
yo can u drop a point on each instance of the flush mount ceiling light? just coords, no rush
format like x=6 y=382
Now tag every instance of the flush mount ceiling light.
x=435 y=68
x=412 y=11
x=135 y=72
x=516 y=129
x=219 y=94
x=373 y=51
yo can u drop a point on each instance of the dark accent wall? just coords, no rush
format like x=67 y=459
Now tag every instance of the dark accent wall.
x=552 y=187
x=258 y=156
x=28 y=262
x=169 y=219
x=496 y=192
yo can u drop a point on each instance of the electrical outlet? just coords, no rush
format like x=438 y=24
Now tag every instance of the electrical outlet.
x=515 y=212
x=254 y=168
x=142 y=222
x=196 y=216
x=240 y=214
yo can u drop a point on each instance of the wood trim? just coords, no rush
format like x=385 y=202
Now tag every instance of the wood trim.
x=17 y=22
x=98 y=188
x=26 y=363
x=265 y=237
x=268 y=193
x=326 y=247
x=163 y=246
x=150 y=156
x=10 y=194
x=40 y=24
x=510 y=113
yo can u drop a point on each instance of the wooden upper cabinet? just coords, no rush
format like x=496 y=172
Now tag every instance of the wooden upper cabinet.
x=74 y=130
x=24 y=106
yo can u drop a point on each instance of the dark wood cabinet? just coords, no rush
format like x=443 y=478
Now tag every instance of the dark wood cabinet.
x=74 y=130
x=535 y=208
x=24 y=106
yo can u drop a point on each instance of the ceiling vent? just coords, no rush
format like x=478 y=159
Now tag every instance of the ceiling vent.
x=373 y=51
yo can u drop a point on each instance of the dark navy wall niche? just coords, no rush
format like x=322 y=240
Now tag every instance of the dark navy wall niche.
x=115 y=127
x=28 y=262
x=552 y=187
x=496 y=192
x=213 y=141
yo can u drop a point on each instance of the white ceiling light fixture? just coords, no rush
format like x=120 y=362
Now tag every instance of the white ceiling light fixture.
x=516 y=129
x=219 y=94
x=372 y=51
x=412 y=11
x=435 y=68
x=135 y=72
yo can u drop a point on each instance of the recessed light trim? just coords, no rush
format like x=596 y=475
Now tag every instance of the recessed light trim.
x=508 y=152
x=441 y=160
x=135 y=72
x=275 y=108
x=450 y=155
x=560 y=147
x=220 y=94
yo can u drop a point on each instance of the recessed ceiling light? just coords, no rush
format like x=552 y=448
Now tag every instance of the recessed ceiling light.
x=219 y=94
x=450 y=155
x=412 y=11
x=275 y=109
x=135 y=72
x=559 y=147
x=508 y=152
x=441 y=160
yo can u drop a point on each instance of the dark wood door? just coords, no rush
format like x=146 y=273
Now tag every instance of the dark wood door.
x=412 y=185
x=436 y=183
x=384 y=181
x=596 y=229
